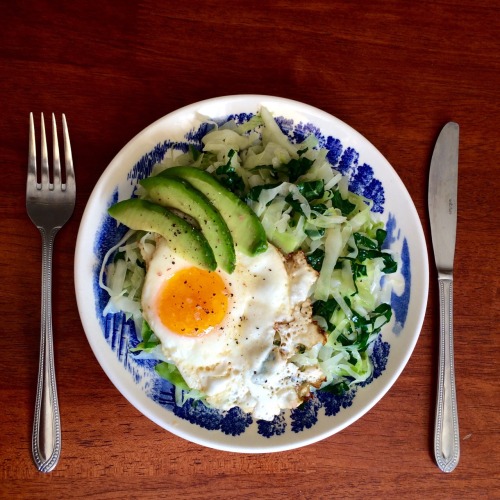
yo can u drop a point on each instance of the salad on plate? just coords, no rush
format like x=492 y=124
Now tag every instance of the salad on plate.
x=255 y=278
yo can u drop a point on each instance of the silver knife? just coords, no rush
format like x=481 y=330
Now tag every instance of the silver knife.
x=443 y=181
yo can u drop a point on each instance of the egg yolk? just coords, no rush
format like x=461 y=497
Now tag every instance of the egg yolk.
x=192 y=302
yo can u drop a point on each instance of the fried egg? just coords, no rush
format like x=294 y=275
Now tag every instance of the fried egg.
x=232 y=336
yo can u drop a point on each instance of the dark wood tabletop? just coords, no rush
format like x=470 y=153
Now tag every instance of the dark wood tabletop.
x=396 y=72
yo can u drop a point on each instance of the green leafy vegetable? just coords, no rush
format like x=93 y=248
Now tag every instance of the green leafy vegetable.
x=295 y=204
x=326 y=309
x=371 y=249
x=298 y=167
x=149 y=340
x=183 y=392
x=195 y=153
x=344 y=205
x=315 y=259
x=312 y=190
x=254 y=193
x=170 y=372
x=228 y=176
x=338 y=389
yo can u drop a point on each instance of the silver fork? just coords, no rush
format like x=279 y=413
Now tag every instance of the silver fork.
x=50 y=200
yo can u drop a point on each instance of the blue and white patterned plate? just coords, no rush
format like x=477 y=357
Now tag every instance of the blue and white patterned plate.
x=112 y=336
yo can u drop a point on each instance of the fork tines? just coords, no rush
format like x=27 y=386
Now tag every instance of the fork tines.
x=46 y=178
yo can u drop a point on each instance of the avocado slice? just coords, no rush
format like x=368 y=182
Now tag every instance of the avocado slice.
x=181 y=236
x=247 y=231
x=176 y=193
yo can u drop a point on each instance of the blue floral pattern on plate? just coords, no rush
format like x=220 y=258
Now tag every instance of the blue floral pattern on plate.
x=120 y=333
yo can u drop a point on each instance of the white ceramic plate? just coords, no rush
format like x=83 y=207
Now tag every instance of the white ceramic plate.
x=111 y=336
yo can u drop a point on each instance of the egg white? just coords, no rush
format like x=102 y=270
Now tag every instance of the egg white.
x=244 y=360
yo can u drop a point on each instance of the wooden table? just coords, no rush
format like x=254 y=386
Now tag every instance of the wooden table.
x=395 y=71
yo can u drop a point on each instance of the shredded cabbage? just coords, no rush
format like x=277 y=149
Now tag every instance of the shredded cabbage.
x=125 y=275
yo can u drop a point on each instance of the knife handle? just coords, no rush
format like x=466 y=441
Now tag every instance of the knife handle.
x=446 y=435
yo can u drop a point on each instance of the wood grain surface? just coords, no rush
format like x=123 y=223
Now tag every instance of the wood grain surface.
x=396 y=71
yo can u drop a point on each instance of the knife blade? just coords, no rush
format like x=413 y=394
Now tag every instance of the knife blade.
x=442 y=199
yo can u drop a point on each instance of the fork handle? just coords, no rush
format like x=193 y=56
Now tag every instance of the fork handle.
x=46 y=439
x=446 y=435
